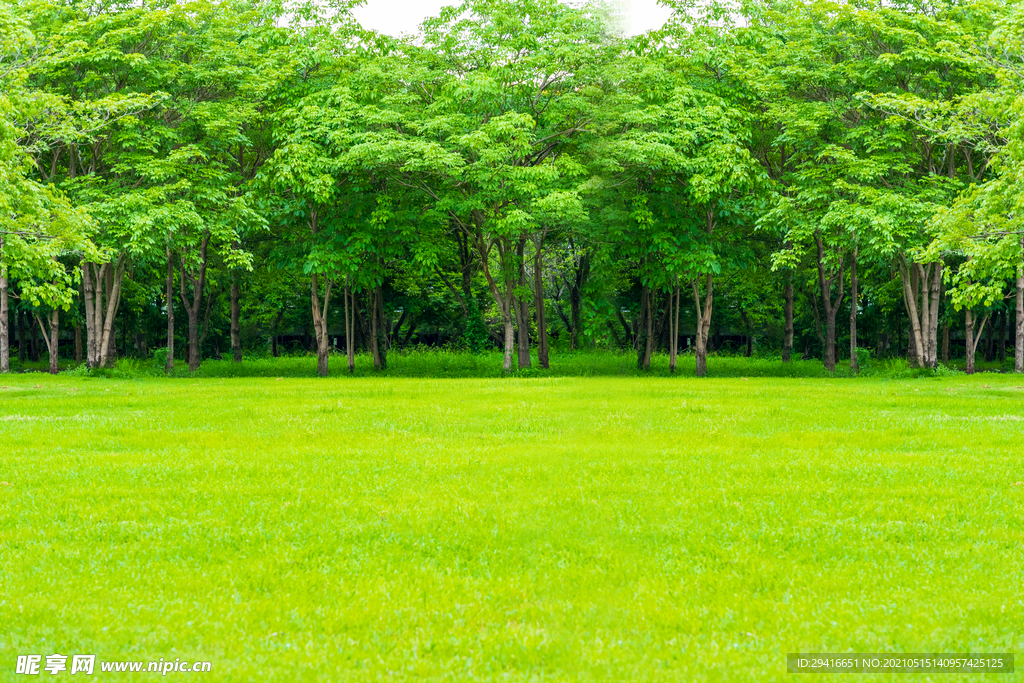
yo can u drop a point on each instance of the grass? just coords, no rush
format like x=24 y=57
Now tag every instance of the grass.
x=520 y=529
x=453 y=363
x=446 y=363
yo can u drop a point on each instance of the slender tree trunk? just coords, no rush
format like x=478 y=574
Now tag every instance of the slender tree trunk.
x=522 y=308
x=51 y=338
x=508 y=341
x=651 y=336
x=192 y=307
x=538 y=306
x=700 y=347
x=110 y=357
x=195 y=354
x=502 y=300
x=945 y=342
x=236 y=327
x=5 y=342
x=787 y=335
x=350 y=332
x=912 y=355
x=989 y=347
x=673 y=349
x=924 y=282
x=54 y=343
x=748 y=336
x=384 y=342
x=101 y=311
x=831 y=306
x=1018 y=338
x=935 y=296
x=911 y=285
x=645 y=329
x=576 y=298
x=413 y=324
x=323 y=346
x=88 y=297
x=169 y=364
x=854 y=363
x=972 y=339
x=374 y=330
x=830 y=342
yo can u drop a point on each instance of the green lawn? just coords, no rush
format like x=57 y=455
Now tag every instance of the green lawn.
x=521 y=529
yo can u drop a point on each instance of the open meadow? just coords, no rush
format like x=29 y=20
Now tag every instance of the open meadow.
x=520 y=529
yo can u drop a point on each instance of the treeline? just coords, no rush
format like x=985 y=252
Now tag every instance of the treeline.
x=824 y=179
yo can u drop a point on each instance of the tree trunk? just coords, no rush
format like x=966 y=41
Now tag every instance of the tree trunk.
x=5 y=342
x=323 y=346
x=748 y=337
x=51 y=337
x=502 y=300
x=830 y=342
x=854 y=363
x=54 y=343
x=911 y=285
x=700 y=347
x=787 y=334
x=522 y=308
x=538 y=306
x=192 y=308
x=101 y=311
x=673 y=337
x=110 y=338
x=830 y=305
x=645 y=329
x=169 y=364
x=924 y=282
x=236 y=328
x=989 y=348
x=195 y=354
x=350 y=333
x=932 y=326
x=972 y=339
x=374 y=330
x=89 y=297
x=413 y=324
x=384 y=342
x=1018 y=338
x=579 y=280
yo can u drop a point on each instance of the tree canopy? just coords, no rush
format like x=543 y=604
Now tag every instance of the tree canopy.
x=518 y=175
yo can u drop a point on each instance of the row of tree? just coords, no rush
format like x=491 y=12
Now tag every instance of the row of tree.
x=516 y=174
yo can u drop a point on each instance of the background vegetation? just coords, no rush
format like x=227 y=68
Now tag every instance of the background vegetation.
x=797 y=178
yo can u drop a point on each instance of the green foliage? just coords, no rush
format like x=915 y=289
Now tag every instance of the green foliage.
x=476 y=335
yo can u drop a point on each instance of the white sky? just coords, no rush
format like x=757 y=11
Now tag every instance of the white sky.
x=403 y=16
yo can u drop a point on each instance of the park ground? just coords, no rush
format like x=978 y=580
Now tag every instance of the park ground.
x=519 y=528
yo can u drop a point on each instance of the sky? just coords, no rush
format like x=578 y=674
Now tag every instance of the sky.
x=395 y=17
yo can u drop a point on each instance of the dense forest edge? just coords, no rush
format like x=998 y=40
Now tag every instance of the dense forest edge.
x=247 y=188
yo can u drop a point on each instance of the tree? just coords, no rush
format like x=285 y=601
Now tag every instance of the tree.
x=480 y=118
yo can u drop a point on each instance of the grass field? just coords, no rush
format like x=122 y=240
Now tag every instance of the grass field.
x=520 y=529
